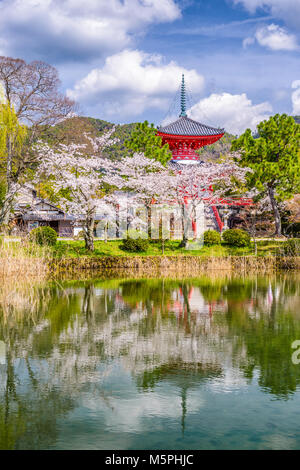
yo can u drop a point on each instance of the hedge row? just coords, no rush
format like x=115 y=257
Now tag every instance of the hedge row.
x=232 y=237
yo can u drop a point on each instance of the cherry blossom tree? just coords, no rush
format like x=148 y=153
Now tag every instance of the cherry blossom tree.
x=146 y=179
x=206 y=183
x=80 y=182
x=187 y=186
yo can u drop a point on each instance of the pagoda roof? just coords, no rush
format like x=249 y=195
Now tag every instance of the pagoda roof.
x=187 y=126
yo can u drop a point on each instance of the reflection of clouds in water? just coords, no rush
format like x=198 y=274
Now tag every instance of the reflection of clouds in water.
x=231 y=380
x=129 y=414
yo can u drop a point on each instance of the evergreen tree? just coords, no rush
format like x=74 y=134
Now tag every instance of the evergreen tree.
x=143 y=139
x=274 y=158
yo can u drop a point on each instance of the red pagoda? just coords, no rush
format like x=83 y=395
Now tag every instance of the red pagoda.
x=185 y=135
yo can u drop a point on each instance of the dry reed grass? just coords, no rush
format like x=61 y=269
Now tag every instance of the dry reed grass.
x=20 y=269
x=23 y=260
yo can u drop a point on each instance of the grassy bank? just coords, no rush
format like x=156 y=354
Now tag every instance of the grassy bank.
x=24 y=260
x=76 y=249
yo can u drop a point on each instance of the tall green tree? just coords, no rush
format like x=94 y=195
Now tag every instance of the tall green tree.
x=12 y=138
x=274 y=158
x=144 y=139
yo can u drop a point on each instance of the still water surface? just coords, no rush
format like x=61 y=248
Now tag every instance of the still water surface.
x=151 y=364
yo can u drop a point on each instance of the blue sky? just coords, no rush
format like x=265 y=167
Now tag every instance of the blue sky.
x=122 y=59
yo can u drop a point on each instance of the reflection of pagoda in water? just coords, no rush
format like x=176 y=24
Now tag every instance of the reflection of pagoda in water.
x=190 y=301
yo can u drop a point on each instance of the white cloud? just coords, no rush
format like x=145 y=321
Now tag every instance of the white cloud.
x=235 y=113
x=296 y=97
x=276 y=38
x=287 y=10
x=273 y=37
x=76 y=29
x=248 y=42
x=132 y=81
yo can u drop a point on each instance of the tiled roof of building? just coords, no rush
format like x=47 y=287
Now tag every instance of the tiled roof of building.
x=187 y=126
x=34 y=216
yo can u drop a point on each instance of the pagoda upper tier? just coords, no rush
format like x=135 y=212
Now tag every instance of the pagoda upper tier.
x=185 y=135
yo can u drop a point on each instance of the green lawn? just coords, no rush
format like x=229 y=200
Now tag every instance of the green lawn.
x=70 y=248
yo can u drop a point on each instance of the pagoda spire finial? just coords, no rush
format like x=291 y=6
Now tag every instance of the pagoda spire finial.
x=183 y=98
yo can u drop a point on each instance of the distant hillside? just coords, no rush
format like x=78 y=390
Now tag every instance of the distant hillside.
x=122 y=133
x=72 y=131
x=297 y=119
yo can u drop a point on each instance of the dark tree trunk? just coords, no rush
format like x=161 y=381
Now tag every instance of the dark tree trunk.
x=89 y=234
x=276 y=213
x=149 y=220
x=184 y=240
x=118 y=221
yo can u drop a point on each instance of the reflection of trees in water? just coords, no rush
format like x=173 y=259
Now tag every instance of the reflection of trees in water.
x=184 y=376
x=265 y=320
x=29 y=405
x=268 y=338
x=28 y=412
x=181 y=332
x=266 y=324
x=261 y=321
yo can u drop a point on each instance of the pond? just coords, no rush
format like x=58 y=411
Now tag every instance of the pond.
x=202 y=363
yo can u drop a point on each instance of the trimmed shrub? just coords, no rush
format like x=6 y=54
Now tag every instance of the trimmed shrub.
x=133 y=233
x=236 y=237
x=291 y=247
x=212 y=237
x=44 y=236
x=135 y=245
